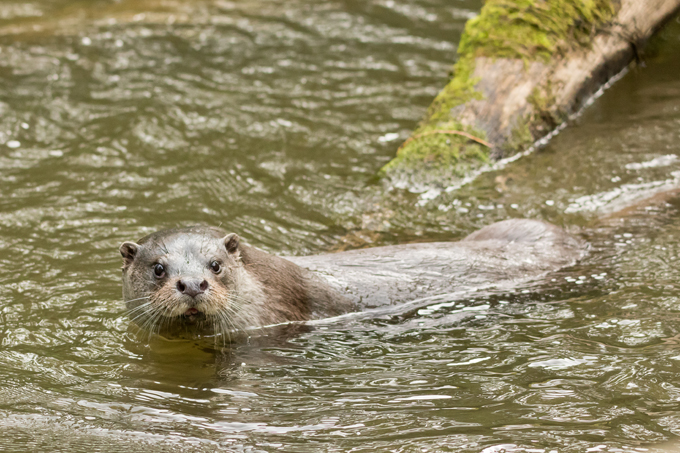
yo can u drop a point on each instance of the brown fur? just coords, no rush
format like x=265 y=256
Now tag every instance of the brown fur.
x=255 y=289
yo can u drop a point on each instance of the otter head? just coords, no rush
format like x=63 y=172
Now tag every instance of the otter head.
x=185 y=275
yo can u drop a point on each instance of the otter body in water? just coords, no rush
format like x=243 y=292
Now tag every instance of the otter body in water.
x=204 y=277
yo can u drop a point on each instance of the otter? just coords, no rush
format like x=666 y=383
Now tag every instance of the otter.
x=206 y=278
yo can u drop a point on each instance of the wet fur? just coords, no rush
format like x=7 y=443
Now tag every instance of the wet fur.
x=254 y=288
x=258 y=289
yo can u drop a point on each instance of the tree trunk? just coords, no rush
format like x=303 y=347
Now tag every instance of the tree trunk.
x=523 y=67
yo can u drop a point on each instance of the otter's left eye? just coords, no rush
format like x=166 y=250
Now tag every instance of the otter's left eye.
x=215 y=267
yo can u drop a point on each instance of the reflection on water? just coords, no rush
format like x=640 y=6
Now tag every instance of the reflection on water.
x=270 y=118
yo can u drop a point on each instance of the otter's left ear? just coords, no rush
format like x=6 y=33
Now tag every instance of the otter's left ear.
x=231 y=242
x=128 y=251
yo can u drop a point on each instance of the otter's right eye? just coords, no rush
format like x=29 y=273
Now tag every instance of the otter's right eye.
x=159 y=270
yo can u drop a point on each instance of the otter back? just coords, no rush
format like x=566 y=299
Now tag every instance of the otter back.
x=508 y=250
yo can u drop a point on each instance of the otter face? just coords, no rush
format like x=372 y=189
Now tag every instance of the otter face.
x=186 y=274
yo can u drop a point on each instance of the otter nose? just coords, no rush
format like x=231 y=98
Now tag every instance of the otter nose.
x=192 y=287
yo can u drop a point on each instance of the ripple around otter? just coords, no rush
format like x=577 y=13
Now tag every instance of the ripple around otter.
x=271 y=118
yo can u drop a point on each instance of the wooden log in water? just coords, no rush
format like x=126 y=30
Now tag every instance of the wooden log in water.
x=523 y=67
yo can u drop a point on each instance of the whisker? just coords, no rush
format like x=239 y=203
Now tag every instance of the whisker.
x=135 y=300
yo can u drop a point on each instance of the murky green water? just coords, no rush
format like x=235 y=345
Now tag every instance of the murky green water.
x=271 y=118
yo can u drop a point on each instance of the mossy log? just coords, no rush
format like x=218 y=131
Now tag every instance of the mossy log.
x=523 y=67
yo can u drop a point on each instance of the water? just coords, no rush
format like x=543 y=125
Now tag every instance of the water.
x=271 y=119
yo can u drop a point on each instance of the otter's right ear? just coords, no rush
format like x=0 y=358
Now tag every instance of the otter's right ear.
x=231 y=242
x=128 y=251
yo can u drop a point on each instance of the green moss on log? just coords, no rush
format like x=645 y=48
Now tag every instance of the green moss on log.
x=520 y=136
x=432 y=146
x=529 y=30
x=444 y=150
x=534 y=29
x=545 y=116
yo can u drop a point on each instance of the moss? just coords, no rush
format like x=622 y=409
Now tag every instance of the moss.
x=430 y=148
x=520 y=137
x=520 y=29
x=534 y=29
x=542 y=100
x=459 y=90
x=444 y=150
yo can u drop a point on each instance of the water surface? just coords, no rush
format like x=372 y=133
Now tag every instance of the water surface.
x=271 y=119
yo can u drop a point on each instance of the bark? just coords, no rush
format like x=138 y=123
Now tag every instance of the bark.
x=508 y=94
